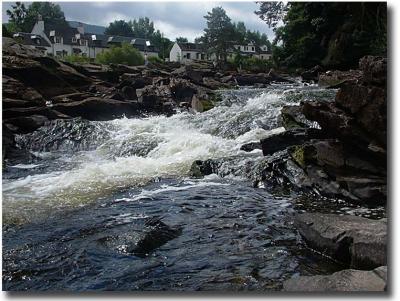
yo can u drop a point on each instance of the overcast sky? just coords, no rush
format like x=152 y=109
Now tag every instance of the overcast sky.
x=172 y=18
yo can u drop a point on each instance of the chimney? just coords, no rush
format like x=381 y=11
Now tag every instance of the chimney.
x=40 y=23
x=80 y=28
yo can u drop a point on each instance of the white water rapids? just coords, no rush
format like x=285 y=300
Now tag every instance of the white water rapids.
x=171 y=143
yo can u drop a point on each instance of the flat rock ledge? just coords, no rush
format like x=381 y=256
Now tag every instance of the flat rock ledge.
x=343 y=281
x=355 y=241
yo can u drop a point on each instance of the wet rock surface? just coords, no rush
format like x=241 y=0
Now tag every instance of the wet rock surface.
x=343 y=281
x=355 y=241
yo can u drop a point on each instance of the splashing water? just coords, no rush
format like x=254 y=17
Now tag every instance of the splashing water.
x=95 y=159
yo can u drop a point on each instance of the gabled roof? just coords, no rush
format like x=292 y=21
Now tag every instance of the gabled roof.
x=64 y=31
x=191 y=47
x=31 y=39
x=260 y=51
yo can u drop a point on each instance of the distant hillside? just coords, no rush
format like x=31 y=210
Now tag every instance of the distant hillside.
x=96 y=29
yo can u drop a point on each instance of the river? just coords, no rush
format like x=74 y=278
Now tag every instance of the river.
x=90 y=192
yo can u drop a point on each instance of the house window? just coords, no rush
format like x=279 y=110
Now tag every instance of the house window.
x=73 y=40
x=58 y=53
x=57 y=40
x=188 y=56
x=82 y=42
x=252 y=48
x=202 y=56
x=197 y=55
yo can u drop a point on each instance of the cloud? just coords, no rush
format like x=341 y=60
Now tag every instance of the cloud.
x=173 y=32
x=172 y=18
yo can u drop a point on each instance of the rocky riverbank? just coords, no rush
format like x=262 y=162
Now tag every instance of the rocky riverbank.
x=335 y=150
x=38 y=89
x=330 y=150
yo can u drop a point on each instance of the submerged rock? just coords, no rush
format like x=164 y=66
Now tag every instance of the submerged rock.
x=343 y=281
x=356 y=241
x=156 y=234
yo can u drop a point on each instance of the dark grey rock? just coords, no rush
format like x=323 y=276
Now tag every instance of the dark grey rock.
x=356 y=241
x=343 y=281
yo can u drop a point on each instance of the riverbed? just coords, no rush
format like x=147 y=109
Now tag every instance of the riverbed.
x=76 y=209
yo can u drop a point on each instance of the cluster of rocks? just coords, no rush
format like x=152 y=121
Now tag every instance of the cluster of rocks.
x=345 y=158
x=337 y=150
x=342 y=155
x=37 y=88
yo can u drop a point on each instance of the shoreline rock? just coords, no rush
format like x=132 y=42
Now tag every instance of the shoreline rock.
x=355 y=241
x=342 y=281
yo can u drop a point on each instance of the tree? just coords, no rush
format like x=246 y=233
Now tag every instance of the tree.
x=119 y=28
x=23 y=19
x=125 y=54
x=163 y=44
x=219 y=34
x=240 y=32
x=335 y=35
x=16 y=16
x=142 y=28
x=181 y=40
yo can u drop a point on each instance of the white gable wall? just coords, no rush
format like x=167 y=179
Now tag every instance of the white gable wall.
x=175 y=55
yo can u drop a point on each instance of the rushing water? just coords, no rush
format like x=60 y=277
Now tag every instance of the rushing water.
x=74 y=213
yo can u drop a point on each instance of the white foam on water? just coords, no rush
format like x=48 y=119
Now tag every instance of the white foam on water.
x=148 y=194
x=179 y=139
x=26 y=166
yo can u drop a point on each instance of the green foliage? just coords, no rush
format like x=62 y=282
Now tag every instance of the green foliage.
x=163 y=44
x=218 y=36
x=77 y=59
x=6 y=32
x=181 y=40
x=252 y=64
x=119 y=28
x=142 y=28
x=334 y=34
x=155 y=59
x=23 y=19
x=126 y=54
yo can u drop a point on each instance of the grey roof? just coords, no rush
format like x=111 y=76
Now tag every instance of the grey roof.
x=98 y=40
x=31 y=39
x=191 y=47
x=64 y=31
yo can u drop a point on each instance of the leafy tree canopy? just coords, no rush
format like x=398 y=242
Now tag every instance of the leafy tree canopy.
x=334 y=34
x=219 y=34
x=119 y=28
x=181 y=40
x=23 y=18
x=125 y=54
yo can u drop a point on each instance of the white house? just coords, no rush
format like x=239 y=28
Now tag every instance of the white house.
x=186 y=52
x=62 y=40
x=264 y=53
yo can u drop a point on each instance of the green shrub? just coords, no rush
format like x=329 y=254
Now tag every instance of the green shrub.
x=253 y=64
x=125 y=54
x=74 y=58
x=155 y=59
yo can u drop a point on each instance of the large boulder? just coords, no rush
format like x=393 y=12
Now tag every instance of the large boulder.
x=374 y=70
x=334 y=79
x=343 y=281
x=44 y=74
x=311 y=74
x=287 y=138
x=356 y=241
x=251 y=79
x=95 y=108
